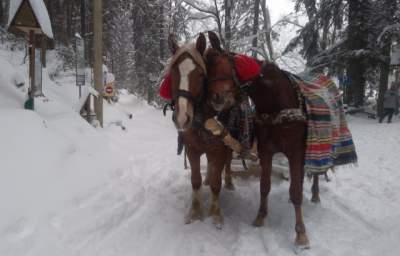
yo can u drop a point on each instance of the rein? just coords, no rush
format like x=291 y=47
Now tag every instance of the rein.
x=285 y=115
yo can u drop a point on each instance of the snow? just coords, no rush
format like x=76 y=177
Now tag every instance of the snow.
x=40 y=11
x=69 y=189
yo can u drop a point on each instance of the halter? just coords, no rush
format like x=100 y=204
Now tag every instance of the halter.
x=198 y=59
x=243 y=87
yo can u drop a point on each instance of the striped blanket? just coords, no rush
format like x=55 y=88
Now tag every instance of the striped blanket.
x=329 y=141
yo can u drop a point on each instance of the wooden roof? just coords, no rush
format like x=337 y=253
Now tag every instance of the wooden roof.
x=25 y=20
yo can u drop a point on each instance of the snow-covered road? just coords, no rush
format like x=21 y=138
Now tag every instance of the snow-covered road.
x=139 y=209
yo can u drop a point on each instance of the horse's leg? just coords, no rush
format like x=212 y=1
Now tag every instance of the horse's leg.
x=206 y=181
x=228 y=172
x=265 y=187
x=196 y=209
x=315 y=189
x=217 y=163
x=296 y=195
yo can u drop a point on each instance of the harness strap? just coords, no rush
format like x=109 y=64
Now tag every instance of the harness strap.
x=187 y=95
x=286 y=115
x=168 y=105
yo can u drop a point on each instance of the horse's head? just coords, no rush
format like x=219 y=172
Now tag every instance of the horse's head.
x=188 y=73
x=222 y=88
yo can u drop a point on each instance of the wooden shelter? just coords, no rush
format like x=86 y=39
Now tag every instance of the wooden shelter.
x=30 y=17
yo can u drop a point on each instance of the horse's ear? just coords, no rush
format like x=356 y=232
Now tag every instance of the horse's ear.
x=173 y=45
x=201 y=43
x=214 y=40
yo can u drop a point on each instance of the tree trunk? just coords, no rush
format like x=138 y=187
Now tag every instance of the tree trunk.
x=228 y=19
x=357 y=35
x=383 y=80
x=255 y=26
x=2 y=19
x=268 y=30
x=313 y=37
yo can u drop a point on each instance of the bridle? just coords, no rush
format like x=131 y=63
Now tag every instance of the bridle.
x=242 y=86
x=195 y=101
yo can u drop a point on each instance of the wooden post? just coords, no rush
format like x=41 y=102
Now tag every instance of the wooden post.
x=43 y=51
x=32 y=63
x=98 y=55
x=30 y=102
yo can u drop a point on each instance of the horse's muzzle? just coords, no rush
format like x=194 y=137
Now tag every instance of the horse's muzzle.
x=183 y=122
x=221 y=101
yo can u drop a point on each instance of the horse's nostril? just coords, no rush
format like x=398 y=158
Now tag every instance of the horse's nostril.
x=217 y=98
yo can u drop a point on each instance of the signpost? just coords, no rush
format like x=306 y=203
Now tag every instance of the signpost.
x=80 y=63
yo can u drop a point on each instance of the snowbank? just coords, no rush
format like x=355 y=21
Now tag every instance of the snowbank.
x=50 y=157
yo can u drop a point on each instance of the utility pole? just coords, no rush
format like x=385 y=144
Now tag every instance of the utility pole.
x=84 y=29
x=98 y=58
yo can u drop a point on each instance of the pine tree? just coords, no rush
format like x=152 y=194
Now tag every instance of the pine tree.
x=2 y=14
x=357 y=43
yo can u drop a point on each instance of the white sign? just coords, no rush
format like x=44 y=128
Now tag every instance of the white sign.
x=38 y=73
x=80 y=62
x=395 y=57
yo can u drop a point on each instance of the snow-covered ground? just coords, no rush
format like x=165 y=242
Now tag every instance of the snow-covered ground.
x=69 y=189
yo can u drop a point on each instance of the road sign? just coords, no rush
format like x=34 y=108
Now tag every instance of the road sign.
x=80 y=61
x=109 y=90
x=395 y=56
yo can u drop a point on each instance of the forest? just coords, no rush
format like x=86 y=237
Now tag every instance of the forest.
x=349 y=39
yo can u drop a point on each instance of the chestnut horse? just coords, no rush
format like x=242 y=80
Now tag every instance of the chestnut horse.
x=188 y=90
x=272 y=93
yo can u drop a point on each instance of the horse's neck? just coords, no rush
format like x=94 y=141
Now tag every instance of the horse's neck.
x=274 y=92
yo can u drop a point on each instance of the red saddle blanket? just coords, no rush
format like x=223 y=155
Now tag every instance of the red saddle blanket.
x=247 y=68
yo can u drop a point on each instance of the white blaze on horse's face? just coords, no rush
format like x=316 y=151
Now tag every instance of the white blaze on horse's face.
x=185 y=113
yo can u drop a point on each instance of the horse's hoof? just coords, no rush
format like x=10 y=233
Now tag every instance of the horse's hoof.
x=259 y=221
x=193 y=215
x=218 y=221
x=299 y=250
x=316 y=199
x=229 y=186
x=302 y=241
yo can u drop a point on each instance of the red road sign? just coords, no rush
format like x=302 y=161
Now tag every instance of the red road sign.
x=109 y=90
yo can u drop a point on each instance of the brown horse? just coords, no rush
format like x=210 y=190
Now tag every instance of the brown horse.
x=272 y=94
x=188 y=89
